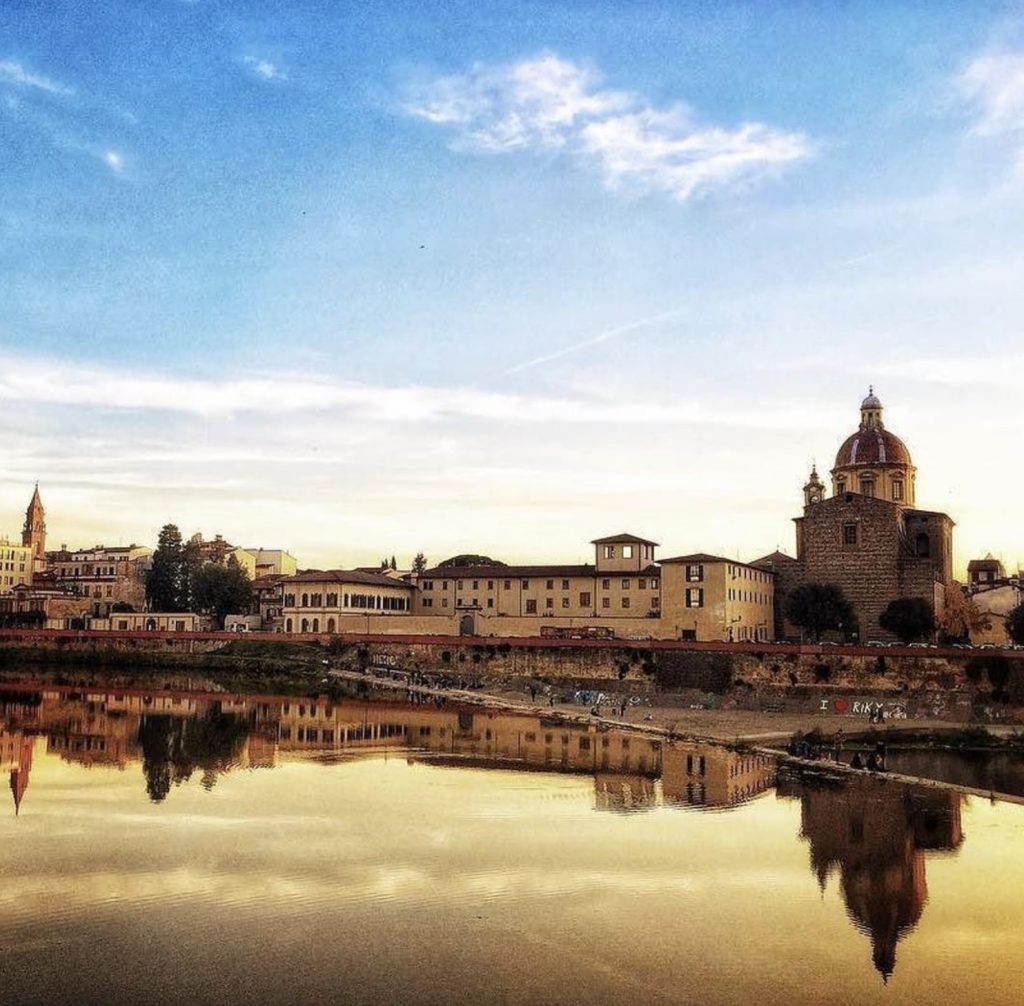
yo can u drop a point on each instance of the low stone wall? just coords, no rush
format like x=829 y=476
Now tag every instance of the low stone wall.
x=842 y=681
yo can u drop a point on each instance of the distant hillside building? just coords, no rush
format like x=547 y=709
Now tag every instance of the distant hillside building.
x=868 y=538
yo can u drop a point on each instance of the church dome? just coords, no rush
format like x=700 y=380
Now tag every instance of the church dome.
x=873 y=446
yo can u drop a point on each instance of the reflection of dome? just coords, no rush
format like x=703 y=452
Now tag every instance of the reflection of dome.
x=874 y=446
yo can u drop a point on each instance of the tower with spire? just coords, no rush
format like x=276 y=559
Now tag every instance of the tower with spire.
x=33 y=535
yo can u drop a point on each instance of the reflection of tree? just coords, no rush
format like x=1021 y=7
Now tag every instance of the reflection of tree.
x=875 y=835
x=174 y=747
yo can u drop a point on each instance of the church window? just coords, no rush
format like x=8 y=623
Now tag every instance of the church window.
x=923 y=545
x=867 y=487
x=897 y=490
x=849 y=534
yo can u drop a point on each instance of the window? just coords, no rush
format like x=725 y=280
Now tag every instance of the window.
x=444 y=584
x=627 y=551
x=565 y=585
x=476 y=584
x=507 y=584
x=625 y=584
x=608 y=552
x=694 y=597
x=625 y=602
x=428 y=602
x=849 y=534
x=606 y=602
x=606 y=584
x=526 y=584
x=332 y=600
x=549 y=602
x=531 y=607
x=840 y=486
x=428 y=584
x=551 y=584
x=655 y=604
x=897 y=490
x=695 y=574
x=654 y=584
x=490 y=602
x=867 y=487
x=584 y=598
x=641 y=584
x=458 y=585
x=565 y=602
x=923 y=545
x=490 y=585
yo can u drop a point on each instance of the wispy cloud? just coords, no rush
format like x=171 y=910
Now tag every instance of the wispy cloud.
x=13 y=72
x=264 y=68
x=552 y=103
x=994 y=85
x=606 y=336
x=65 y=383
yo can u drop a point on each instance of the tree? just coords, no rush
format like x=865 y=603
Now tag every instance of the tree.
x=165 y=582
x=961 y=618
x=394 y=565
x=1015 y=625
x=908 y=618
x=818 y=608
x=191 y=562
x=419 y=564
x=469 y=560
x=221 y=590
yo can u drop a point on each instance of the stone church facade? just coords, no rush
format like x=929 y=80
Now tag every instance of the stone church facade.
x=868 y=537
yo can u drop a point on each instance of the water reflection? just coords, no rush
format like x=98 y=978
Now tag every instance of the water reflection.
x=875 y=836
x=177 y=734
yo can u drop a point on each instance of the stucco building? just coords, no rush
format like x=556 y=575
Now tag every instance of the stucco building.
x=707 y=597
x=15 y=565
x=107 y=575
x=622 y=582
x=319 y=600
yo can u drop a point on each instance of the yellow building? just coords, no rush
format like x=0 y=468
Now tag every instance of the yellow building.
x=320 y=600
x=707 y=597
x=623 y=582
x=15 y=565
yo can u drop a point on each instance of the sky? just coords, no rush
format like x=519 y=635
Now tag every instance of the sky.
x=367 y=279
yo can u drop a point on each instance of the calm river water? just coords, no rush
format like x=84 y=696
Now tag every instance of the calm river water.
x=176 y=848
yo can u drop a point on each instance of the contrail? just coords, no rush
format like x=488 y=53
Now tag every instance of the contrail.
x=610 y=333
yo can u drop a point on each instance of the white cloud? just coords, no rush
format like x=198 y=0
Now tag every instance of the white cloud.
x=13 y=72
x=65 y=383
x=113 y=160
x=994 y=86
x=264 y=69
x=551 y=103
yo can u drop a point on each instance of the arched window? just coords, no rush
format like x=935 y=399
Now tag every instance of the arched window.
x=305 y=625
x=840 y=486
x=288 y=625
x=316 y=624
x=331 y=625
x=305 y=600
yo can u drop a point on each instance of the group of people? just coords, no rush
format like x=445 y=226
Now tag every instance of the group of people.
x=819 y=748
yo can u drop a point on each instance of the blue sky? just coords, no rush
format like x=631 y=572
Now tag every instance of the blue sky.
x=356 y=279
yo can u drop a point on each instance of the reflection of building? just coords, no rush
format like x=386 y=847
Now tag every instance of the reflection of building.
x=16 y=758
x=875 y=835
x=172 y=733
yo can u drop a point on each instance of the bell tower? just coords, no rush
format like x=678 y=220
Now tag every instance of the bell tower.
x=814 y=490
x=34 y=533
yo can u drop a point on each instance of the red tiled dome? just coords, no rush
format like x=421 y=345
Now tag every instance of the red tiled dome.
x=873 y=446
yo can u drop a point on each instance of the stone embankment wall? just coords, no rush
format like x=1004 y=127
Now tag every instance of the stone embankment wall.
x=960 y=685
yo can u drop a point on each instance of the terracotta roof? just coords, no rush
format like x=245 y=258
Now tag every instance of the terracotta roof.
x=699 y=557
x=873 y=446
x=613 y=539
x=524 y=572
x=775 y=558
x=345 y=576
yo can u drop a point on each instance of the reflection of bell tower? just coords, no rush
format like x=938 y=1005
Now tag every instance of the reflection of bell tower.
x=814 y=491
x=34 y=533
